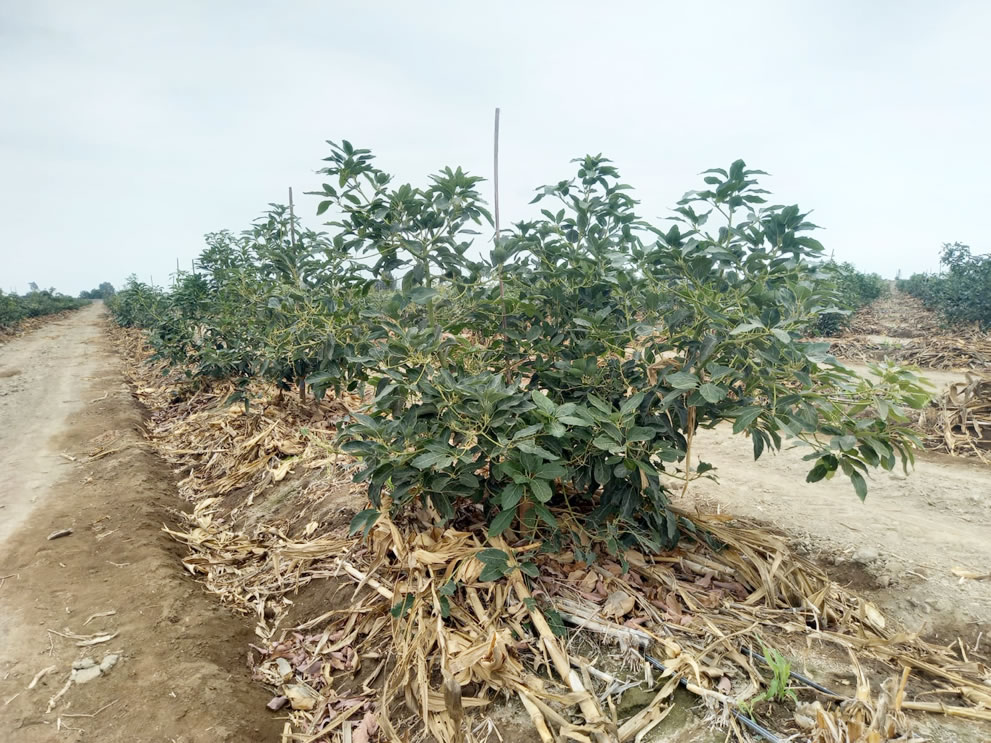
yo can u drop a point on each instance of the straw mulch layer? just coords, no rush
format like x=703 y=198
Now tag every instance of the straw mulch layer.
x=30 y=324
x=965 y=350
x=901 y=328
x=414 y=645
x=897 y=315
x=959 y=422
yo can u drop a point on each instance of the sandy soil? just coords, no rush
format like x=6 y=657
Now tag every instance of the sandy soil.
x=899 y=547
x=181 y=676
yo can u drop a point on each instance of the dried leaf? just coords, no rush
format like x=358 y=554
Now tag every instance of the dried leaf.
x=366 y=729
x=618 y=604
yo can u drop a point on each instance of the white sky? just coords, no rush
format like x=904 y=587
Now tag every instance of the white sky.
x=129 y=129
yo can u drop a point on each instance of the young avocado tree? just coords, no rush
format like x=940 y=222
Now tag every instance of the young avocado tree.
x=554 y=385
x=563 y=403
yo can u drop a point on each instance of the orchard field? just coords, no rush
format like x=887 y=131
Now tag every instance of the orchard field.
x=589 y=477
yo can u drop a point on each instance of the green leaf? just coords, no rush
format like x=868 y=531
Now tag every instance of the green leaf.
x=846 y=443
x=817 y=473
x=744 y=327
x=511 y=495
x=556 y=622
x=712 y=392
x=541 y=490
x=744 y=417
x=431 y=459
x=640 y=433
x=601 y=472
x=363 y=521
x=501 y=522
x=543 y=402
x=491 y=573
x=490 y=556
x=551 y=471
x=631 y=404
x=529 y=568
x=781 y=335
x=683 y=380
x=528 y=447
x=607 y=444
x=402 y=608
x=859 y=484
x=601 y=404
x=448 y=589
x=422 y=295
x=545 y=515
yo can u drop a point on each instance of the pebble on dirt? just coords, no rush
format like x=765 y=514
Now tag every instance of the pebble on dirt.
x=59 y=533
x=87 y=669
x=865 y=555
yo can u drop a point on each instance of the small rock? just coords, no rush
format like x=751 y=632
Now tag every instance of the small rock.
x=87 y=669
x=85 y=675
x=865 y=555
x=59 y=533
x=277 y=703
x=109 y=662
x=943 y=605
x=884 y=581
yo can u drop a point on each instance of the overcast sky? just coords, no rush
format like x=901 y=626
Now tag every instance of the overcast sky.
x=129 y=129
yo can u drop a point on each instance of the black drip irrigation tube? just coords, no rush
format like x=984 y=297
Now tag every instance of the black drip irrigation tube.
x=795 y=675
x=740 y=717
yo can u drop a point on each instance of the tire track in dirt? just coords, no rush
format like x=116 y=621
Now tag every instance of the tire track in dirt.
x=182 y=676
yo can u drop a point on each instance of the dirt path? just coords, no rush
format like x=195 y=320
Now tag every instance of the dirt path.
x=899 y=547
x=181 y=675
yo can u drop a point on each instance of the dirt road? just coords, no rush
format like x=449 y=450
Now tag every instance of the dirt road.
x=899 y=547
x=115 y=581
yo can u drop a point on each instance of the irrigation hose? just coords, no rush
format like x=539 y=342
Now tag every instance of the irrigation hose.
x=740 y=717
x=802 y=679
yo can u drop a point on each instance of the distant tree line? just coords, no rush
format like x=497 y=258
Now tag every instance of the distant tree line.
x=37 y=302
x=103 y=291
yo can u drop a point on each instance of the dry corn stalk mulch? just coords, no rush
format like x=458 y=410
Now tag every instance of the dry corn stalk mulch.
x=959 y=422
x=393 y=650
x=932 y=344
x=967 y=350
x=898 y=315
x=220 y=449
x=421 y=646
x=30 y=324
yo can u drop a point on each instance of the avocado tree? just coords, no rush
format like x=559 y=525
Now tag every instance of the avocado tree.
x=573 y=391
x=551 y=380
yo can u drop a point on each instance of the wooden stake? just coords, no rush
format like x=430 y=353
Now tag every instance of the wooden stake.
x=292 y=220
x=495 y=203
x=495 y=173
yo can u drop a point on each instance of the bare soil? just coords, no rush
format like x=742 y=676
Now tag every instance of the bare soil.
x=182 y=675
x=899 y=547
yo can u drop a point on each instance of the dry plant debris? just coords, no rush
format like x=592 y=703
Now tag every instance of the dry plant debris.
x=422 y=646
x=901 y=328
x=959 y=422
